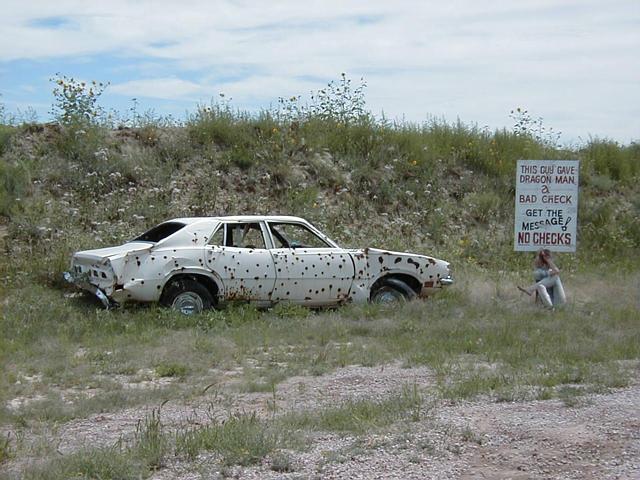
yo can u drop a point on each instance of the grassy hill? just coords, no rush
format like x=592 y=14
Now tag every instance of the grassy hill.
x=442 y=188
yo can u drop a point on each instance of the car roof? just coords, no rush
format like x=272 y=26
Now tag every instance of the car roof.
x=240 y=218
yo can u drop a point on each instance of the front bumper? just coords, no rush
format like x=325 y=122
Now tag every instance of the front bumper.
x=83 y=284
x=446 y=281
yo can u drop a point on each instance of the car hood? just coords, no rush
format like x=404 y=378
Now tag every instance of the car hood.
x=377 y=252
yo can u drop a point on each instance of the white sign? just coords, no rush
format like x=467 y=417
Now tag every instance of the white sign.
x=546 y=205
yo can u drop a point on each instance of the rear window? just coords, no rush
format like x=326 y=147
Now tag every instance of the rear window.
x=160 y=232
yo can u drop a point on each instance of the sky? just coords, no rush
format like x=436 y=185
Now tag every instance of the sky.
x=574 y=63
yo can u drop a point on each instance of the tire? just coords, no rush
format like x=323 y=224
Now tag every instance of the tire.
x=187 y=296
x=391 y=291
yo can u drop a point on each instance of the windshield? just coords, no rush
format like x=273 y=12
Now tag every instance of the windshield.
x=160 y=232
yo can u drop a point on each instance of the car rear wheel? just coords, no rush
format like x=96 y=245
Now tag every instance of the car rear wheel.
x=187 y=297
x=391 y=291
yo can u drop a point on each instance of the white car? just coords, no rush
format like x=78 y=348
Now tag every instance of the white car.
x=192 y=264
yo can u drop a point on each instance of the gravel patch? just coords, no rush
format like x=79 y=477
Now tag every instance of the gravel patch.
x=598 y=437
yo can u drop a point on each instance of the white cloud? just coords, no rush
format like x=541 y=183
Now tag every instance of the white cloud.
x=165 y=88
x=569 y=61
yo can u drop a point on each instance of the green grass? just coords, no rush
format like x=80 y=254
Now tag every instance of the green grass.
x=241 y=439
x=360 y=416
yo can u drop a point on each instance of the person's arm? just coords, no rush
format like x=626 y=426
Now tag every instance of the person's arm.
x=552 y=266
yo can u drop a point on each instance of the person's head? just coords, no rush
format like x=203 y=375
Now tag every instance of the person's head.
x=542 y=258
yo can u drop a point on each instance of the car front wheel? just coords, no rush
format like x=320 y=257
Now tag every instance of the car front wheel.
x=187 y=297
x=391 y=291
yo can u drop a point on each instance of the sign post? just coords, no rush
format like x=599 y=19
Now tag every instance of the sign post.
x=546 y=205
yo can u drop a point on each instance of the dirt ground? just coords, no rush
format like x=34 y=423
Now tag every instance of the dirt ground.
x=595 y=436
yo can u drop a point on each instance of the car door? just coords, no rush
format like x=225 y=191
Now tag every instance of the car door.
x=240 y=256
x=309 y=270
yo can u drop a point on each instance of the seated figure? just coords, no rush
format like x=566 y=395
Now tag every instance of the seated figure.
x=548 y=285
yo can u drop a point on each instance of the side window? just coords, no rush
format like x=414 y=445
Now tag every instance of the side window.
x=245 y=235
x=294 y=235
x=218 y=237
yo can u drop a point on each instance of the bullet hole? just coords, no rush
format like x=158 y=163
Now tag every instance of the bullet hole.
x=247 y=269
x=380 y=259
x=322 y=290
x=397 y=260
x=138 y=262
x=279 y=270
x=142 y=282
x=287 y=294
x=256 y=278
x=158 y=287
x=153 y=258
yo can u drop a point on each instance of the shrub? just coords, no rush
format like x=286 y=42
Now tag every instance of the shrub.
x=14 y=181
x=76 y=101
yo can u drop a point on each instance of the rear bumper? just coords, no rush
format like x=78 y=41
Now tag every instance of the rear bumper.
x=84 y=285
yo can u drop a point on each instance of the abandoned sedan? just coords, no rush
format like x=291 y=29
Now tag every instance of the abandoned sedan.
x=191 y=264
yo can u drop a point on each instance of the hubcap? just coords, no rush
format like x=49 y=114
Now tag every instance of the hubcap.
x=188 y=303
x=388 y=295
